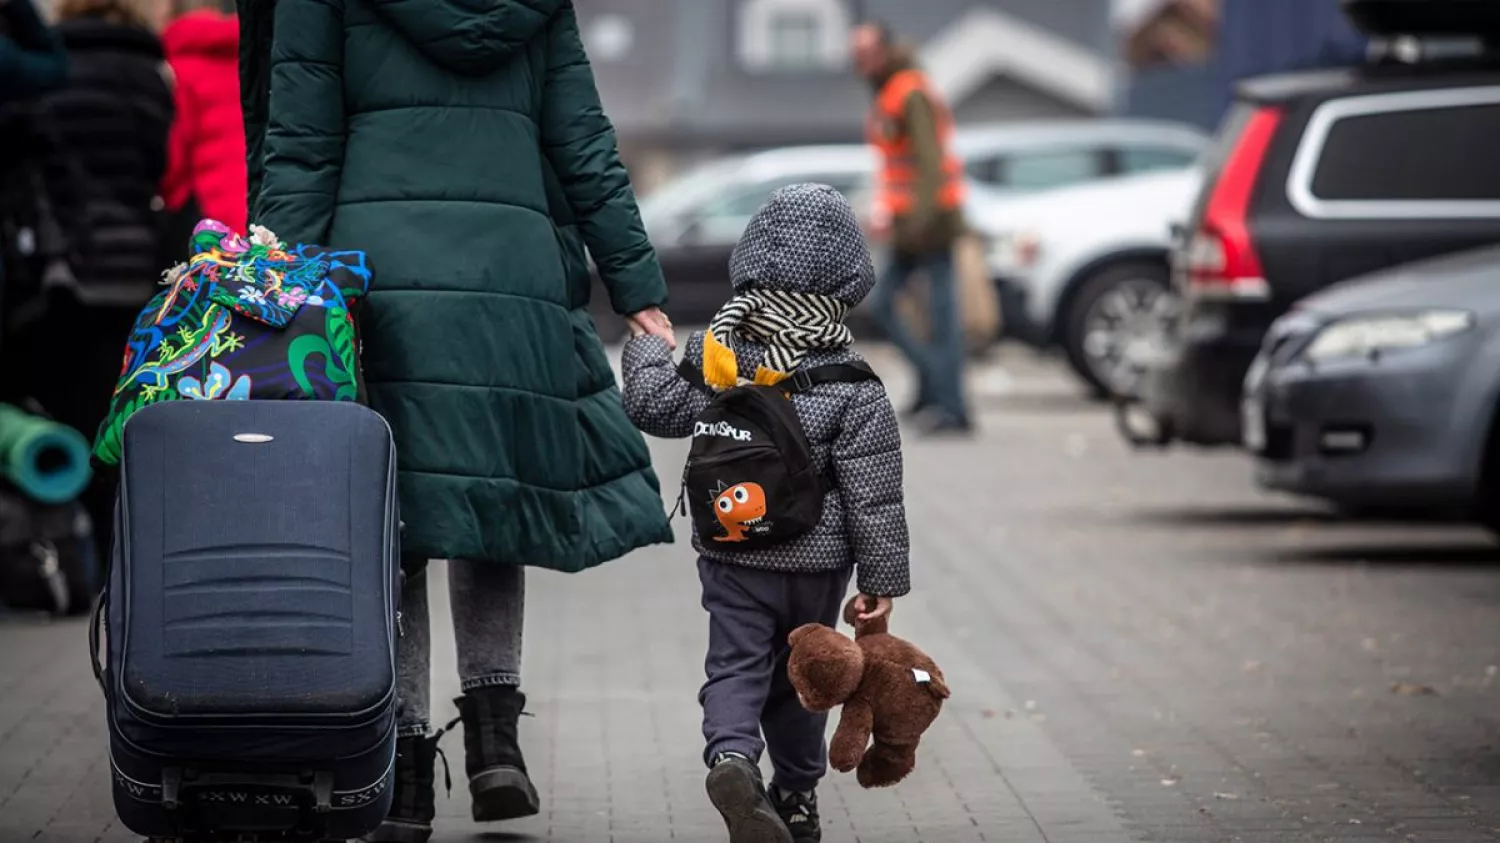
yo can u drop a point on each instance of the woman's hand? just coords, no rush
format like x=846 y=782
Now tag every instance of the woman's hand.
x=652 y=321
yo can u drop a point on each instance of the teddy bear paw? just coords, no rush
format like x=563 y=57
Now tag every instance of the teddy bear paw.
x=885 y=766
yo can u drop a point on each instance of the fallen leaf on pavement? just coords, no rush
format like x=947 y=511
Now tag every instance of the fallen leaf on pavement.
x=1412 y=689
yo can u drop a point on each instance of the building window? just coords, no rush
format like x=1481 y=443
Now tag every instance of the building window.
x=793 y=35
x=796 y=41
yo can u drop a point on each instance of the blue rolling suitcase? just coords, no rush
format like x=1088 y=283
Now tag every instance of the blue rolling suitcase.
x=250 y=622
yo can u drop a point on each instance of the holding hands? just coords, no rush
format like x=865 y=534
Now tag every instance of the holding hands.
x=652 y=321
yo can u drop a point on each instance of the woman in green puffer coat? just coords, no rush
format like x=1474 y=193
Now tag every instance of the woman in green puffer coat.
x=462 y=145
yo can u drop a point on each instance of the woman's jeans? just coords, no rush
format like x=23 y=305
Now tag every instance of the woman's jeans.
x=939 y=363
x=487 y=600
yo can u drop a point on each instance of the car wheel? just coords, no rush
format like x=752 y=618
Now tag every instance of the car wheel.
x=1114 y=311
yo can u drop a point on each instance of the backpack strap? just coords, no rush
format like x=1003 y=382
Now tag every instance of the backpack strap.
x=800 y=381
x=805 y=379
x=693 y=375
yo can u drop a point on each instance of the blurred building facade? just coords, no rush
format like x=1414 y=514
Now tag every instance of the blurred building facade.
x=1182 y=57
x=688 y=79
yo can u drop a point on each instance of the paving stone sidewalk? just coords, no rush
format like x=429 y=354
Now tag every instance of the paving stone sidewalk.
x=1141 y=648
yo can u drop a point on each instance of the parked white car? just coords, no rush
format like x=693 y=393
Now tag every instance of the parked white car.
x=1020 y=158
x=1085 y=268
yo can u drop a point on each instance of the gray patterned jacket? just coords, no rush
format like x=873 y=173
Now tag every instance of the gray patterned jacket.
x=806 y=239
x=850 y=425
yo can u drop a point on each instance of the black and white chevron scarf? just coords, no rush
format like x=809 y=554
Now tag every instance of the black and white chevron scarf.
x=787 y=324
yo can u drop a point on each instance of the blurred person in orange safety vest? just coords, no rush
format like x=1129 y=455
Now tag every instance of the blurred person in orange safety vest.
x=918 y=213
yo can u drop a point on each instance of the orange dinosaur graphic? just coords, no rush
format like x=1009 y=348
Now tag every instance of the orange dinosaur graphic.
x=739 y=507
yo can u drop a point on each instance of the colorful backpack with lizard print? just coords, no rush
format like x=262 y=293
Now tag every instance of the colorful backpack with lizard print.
x=244 y=319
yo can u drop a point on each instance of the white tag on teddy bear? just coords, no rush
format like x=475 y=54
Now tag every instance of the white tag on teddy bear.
x=922 y=676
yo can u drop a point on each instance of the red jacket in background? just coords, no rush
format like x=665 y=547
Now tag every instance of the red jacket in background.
x=207 y=153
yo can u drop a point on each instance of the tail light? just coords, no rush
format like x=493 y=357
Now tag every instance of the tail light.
x=1220 y=258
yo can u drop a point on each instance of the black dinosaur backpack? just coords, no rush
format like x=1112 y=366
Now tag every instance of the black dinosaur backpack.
x=749 y=482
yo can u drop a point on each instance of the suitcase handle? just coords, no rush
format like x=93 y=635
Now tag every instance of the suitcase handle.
x=96 y=629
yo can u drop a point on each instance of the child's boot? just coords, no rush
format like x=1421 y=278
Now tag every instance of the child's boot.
x=412 y=805
x=799 y=810
x=736 y=789
x=498 y=780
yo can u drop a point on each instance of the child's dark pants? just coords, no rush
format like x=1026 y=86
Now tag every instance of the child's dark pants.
x=751 y=613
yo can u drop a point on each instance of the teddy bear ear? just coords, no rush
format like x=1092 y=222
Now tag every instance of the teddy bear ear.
x=872 y=627
x=801 y=632
x=851 y=610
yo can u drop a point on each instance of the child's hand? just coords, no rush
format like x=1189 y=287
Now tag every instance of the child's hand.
x=872 y=608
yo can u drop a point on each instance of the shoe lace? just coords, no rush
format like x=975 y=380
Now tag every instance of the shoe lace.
x=795 y=803
x=443 y=756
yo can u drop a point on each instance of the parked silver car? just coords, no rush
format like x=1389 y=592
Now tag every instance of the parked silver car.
x=1382 y=391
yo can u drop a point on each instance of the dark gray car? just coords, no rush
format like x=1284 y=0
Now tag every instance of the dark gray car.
x=1382 y=391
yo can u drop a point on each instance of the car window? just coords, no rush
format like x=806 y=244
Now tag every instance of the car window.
x=981 y=170
x=740 y=203
x=724 y=219
x=690 y=189
x=1039 y=170
x=1432 y=154
x=1146 y=159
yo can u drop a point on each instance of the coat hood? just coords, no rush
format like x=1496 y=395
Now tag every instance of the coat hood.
x=805 y=239
x=203 y=33
x=471 y=37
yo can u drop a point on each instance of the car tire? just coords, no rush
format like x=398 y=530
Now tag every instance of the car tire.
x=1131 y=279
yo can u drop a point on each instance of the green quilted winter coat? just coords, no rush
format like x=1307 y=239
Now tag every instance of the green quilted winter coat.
x=462 y=145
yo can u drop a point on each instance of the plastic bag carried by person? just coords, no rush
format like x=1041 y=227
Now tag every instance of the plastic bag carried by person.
x=244 y=319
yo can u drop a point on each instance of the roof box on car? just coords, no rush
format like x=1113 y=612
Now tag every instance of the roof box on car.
x=1389 y=18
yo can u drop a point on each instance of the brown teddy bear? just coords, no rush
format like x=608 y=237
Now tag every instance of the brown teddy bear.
x=890 y=690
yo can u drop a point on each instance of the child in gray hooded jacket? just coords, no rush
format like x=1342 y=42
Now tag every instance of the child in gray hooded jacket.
x=801 y=265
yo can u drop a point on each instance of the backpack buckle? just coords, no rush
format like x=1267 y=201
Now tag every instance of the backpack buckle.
x=801 y=381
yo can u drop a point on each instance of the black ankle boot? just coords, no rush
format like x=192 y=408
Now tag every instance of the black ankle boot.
x=498 y=781
x=412 y=808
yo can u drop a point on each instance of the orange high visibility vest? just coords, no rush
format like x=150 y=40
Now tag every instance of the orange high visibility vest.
x=895 y=192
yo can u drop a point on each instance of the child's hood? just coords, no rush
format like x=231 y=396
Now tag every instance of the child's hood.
x=472 y=37
x=806 y=239
x=204 y=33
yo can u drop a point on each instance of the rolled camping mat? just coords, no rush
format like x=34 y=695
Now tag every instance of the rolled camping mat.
x=48 y=462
